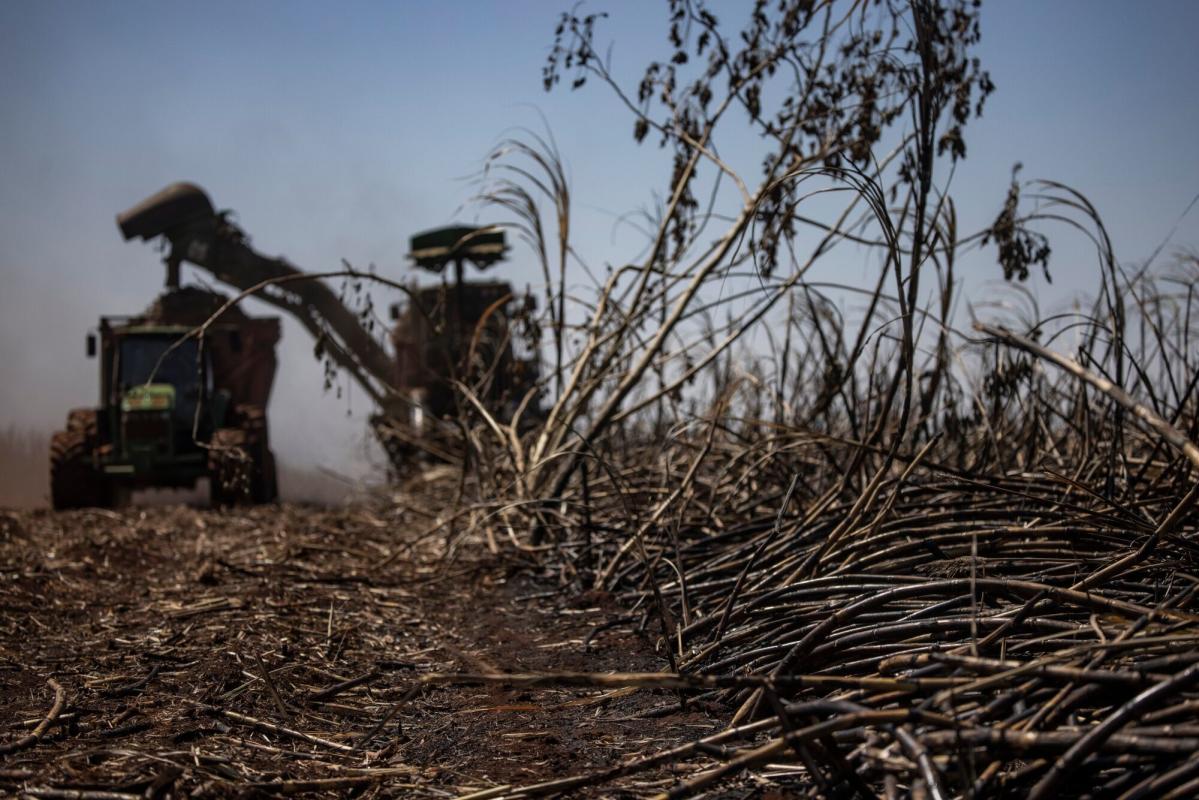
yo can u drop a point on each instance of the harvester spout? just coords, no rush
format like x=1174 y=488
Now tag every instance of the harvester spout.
x=175 y=206
x=169 y=213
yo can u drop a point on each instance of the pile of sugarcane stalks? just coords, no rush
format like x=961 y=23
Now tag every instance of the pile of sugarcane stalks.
x=900 y=557
x=972 y=629
x=979 y=639
x=1000 y=604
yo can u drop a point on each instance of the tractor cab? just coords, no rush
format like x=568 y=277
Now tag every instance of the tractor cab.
x=157 y=401
x=160 y=400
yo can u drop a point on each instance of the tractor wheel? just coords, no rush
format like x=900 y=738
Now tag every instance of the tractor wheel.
x=83 y=420
x=241 y=465
x=74 y=481
x=267 y=485
x=229 y=468
x=263 y=485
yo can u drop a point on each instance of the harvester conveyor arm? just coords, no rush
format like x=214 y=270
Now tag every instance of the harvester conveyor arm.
x=183 y=215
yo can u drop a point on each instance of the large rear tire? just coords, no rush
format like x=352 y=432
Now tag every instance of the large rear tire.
x=226 y=471
x=268 y=482
x=74 y=480
x=241 y=466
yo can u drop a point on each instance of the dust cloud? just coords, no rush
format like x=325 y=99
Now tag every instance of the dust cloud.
x=25 y=479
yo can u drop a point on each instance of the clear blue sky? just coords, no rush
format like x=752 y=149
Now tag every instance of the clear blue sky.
x=338 y=130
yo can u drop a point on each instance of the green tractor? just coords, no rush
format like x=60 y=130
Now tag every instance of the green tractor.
x=174 y=407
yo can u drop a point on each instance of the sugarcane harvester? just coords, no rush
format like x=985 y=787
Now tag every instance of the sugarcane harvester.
x=452 y=348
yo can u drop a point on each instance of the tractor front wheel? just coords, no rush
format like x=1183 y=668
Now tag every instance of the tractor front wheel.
x=241 y=466
x=74 y=481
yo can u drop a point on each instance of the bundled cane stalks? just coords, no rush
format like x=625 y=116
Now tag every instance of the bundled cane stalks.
x=906 y=549
x=1003 y=604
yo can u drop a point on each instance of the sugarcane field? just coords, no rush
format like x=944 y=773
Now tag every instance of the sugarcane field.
x=678 y=399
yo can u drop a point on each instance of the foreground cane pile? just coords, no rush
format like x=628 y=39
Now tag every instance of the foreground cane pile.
x=965 y=636
x=966 y=643
x=897 y=555
x=995 y=598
